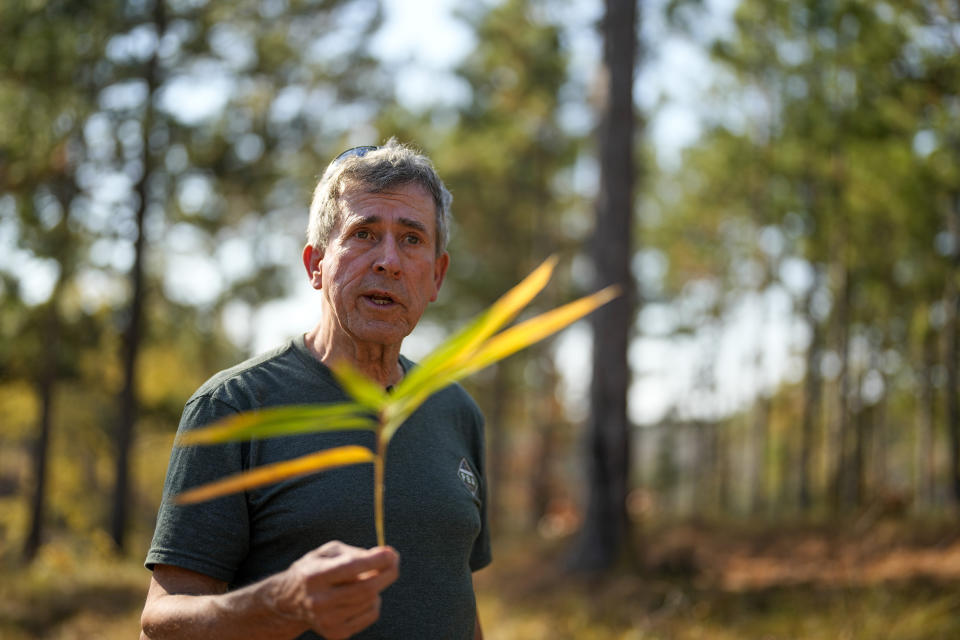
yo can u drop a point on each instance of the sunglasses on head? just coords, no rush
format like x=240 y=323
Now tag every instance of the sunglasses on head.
x=358 y=152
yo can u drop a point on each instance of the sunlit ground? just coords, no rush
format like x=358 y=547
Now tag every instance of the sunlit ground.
x=873 y=581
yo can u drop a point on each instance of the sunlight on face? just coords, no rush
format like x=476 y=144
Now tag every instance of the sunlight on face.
x=380 y=269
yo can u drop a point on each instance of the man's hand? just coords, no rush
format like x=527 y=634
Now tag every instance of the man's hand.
x=336 y=589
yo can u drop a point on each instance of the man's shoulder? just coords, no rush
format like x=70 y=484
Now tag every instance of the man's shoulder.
x=251 y=367
x=250 y=380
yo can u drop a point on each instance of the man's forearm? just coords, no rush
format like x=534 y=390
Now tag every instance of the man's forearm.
x=243 y=614
x=333 y=590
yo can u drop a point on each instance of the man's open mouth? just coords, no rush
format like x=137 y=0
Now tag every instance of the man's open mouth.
x=380 y=299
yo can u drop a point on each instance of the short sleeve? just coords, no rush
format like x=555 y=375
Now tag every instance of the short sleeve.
x=211 y=537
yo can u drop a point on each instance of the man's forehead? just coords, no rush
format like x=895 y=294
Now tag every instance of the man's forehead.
x=358 y=198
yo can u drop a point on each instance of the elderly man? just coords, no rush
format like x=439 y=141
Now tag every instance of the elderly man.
x=297 y=559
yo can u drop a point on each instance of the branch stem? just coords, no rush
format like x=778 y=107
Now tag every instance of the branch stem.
x=378 y=465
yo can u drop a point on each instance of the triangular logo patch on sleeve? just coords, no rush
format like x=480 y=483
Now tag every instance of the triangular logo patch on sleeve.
x=468 y=477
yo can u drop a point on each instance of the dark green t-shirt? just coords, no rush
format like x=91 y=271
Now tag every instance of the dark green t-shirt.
x=435 y=510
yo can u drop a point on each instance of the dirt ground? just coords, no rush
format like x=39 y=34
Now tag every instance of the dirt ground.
x=865 y=579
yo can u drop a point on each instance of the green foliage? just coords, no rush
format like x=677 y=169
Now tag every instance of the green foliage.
x=99 y=114
x=828 y=130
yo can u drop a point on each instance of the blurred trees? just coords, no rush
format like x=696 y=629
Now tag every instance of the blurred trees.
x=606 y=535
x=822 y=179
x=502 y=161
x=505 y=156
x=820 y=207
x=154 y=168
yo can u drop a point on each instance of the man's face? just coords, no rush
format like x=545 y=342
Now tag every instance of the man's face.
x=380 y=268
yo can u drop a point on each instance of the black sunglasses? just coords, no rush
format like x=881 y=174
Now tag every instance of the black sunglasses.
x=358 y=152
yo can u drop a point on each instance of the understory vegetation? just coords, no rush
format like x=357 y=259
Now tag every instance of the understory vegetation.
x=859 y=580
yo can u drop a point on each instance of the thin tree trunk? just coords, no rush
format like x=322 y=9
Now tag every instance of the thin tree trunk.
x=841 y=432
x=875 y=480
x=47 y=387
x=760 y=440
x=811 y=406
x=542 y=481
x=133 y=333
x=952 y=343
x=952 y=359
x=605 y=537
x=924 y=476
x=861 y=419
x=66 y=190
x=704 y=459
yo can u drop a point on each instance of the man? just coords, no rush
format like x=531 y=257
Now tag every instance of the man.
x=297 y=559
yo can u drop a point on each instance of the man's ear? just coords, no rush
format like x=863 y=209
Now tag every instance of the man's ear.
x=312 y=258
x=439 y=272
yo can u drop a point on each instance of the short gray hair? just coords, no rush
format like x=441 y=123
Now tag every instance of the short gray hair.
x=376 y=169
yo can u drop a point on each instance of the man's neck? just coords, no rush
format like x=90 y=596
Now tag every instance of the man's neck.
x=378 y=362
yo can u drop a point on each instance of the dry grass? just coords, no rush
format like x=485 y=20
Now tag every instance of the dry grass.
x=862 y=581
x=884 y=581
x=66 y=596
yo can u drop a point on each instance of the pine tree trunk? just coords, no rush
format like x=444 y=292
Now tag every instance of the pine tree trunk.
x=841 y=432
x=133 y=333
x=47 y=387
x=605 y=539
x=952 y=360
x=65 y=190
x=542 y=481
x=760 y=441
x=926 y=439
x=811 y=405
x=952 y=346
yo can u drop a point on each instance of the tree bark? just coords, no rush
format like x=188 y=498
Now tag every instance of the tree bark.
x=41 y=447
x=49 y=374
x=133 y=333
x=926 y=439
x=952 y=360
x=811 y=406
x=548 y=418
x=952 y=343
x=605 y=537
x=760 y=443
x=841 y=432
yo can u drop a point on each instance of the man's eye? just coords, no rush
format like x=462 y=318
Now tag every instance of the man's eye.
x=362 y=234
x=411 y=239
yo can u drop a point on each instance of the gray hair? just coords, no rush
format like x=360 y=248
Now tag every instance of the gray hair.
x=377 y=169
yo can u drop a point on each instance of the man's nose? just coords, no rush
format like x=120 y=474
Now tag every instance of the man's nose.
x=387 y=259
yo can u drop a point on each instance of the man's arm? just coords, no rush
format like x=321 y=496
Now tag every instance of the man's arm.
x=333 y=590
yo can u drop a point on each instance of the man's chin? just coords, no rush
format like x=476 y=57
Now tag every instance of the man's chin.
x=386 y=335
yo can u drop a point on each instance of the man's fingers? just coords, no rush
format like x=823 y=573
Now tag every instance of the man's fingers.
x=348 y=563
x=364 y=590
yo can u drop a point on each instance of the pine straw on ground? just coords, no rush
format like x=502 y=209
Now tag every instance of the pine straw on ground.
x=862 y=580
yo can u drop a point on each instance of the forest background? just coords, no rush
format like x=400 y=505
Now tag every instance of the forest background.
x=793 y=388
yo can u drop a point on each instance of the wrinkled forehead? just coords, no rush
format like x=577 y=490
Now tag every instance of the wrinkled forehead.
x=352 y=193
x=410 y=199
x=411 y=194
x=347 y=185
